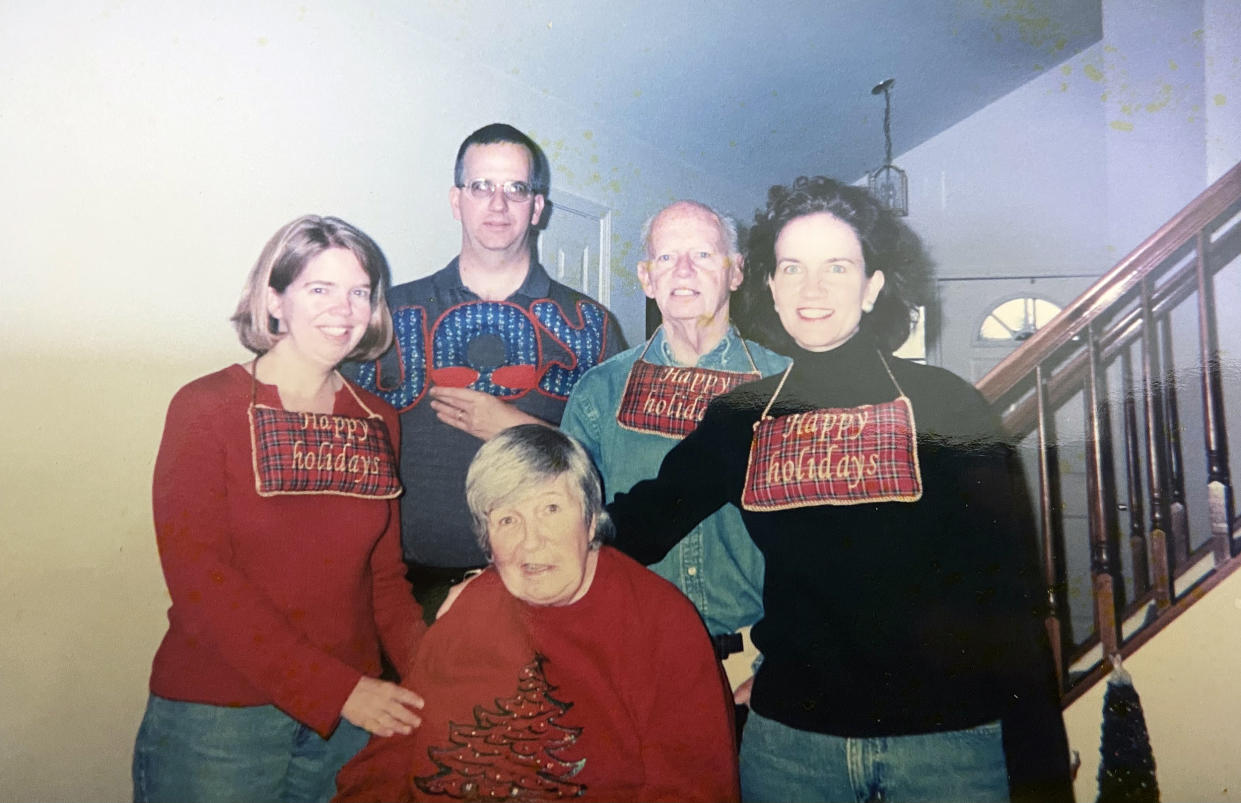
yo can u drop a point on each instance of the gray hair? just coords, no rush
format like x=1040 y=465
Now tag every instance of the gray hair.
x=523 y=457
x=728 y=226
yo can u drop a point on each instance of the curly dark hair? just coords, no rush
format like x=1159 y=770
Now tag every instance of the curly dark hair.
x=888 y=245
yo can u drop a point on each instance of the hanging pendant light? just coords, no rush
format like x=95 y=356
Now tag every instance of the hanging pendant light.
x=888 y=183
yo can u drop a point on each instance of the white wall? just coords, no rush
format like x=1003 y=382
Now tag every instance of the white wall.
x=147 y=151
x=1017 y=187
x=1221 y=21
x=1069 y=173
x=1153 y=68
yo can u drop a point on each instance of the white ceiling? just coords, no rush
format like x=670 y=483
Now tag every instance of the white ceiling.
x=763 y=91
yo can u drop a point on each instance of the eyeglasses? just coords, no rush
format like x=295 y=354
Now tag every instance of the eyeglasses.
x=482 y=189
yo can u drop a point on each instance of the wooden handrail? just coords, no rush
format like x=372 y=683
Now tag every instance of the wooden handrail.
x=1124 y=322
x=1126 y=275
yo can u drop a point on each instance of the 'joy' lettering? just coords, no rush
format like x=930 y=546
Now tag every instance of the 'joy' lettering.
x=443 y=354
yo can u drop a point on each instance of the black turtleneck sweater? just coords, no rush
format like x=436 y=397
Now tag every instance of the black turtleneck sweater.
x=884 y=618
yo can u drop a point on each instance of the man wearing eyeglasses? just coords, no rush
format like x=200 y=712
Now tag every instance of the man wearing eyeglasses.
x=488 y=342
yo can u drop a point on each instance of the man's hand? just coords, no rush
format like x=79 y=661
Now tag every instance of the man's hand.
x=382 y=708
x=479 y=414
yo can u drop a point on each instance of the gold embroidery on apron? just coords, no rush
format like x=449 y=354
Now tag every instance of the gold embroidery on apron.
x=670 y=400
x=835 y=456
x=321 y=453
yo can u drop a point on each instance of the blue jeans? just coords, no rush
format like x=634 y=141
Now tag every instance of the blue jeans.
x=196 y=752
x=779 y=763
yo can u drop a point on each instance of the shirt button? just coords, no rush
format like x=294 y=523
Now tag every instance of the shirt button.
x=692 y=571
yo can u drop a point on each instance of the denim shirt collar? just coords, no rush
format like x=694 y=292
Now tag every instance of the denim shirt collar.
x=721 y=358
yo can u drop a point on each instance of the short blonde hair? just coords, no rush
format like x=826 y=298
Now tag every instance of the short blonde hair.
x=285 y=257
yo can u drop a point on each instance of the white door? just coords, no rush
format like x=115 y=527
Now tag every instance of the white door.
x=576 y=246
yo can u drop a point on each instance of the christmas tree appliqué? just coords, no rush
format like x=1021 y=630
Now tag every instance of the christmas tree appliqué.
x=509 y=753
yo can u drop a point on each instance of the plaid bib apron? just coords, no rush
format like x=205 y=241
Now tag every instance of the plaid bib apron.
x=834 y=456
x=321 y=453
x=669 y=400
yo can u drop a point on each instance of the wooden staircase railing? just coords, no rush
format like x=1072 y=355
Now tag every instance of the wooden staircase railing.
x=1122 y=339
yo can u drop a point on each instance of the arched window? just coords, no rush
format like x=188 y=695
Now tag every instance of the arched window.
x=1014 y=320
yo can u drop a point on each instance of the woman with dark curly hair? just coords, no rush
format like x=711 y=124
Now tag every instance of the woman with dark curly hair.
x=904 y=657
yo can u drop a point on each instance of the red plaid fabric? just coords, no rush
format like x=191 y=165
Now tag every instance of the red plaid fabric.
x=670 y=401
x=317 y=453
x=844 y=456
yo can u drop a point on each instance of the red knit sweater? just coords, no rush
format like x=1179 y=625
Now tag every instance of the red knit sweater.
x=615 y=697
x=280 y=600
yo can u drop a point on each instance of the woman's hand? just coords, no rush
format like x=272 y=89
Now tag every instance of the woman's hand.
x=455 y=592
x=383 y=708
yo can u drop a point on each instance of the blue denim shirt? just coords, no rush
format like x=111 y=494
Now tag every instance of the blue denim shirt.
x=717 y=565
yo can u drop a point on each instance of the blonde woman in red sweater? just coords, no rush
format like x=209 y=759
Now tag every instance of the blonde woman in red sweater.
x=275 y=501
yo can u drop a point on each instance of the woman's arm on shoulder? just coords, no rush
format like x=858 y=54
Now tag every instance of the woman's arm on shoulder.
x=697 y=477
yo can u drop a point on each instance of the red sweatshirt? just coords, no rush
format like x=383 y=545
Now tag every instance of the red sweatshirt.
x=615 y=697
x=278 y=600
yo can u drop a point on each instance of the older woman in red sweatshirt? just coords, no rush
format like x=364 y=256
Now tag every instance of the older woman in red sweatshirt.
x=565 y=669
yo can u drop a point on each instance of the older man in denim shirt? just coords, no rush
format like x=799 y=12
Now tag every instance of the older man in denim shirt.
x=630 y=410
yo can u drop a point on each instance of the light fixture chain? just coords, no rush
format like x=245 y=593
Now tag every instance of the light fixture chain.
x=889 y=184
x=887 y=123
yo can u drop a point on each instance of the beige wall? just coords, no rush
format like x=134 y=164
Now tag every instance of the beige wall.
x=83 y=597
